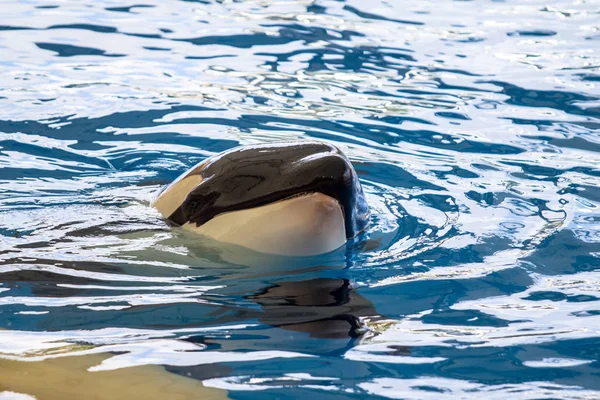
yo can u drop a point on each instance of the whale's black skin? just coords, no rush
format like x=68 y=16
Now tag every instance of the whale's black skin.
x=257 y=175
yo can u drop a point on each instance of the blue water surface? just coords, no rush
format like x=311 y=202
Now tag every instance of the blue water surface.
x=473 y=125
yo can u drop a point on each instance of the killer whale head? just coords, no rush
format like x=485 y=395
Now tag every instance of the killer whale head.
x=290 y=198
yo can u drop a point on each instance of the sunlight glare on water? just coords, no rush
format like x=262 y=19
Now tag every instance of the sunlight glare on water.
x=473 y=125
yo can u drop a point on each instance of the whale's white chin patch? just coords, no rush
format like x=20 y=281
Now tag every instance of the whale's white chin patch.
x=305 y=225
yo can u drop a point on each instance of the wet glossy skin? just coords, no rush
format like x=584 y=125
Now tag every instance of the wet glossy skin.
x=254 y=176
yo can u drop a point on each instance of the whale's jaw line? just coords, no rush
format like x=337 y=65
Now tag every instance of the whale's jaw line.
x=304 y=225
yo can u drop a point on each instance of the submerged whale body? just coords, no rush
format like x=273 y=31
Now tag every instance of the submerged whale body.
x=292 y=198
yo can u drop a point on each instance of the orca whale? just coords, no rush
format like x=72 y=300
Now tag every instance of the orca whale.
x=288 y=198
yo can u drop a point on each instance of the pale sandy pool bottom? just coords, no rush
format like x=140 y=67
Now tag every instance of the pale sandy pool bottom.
x=68 y=378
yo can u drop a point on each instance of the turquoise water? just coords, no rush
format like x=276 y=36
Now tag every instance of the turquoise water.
x=474 y=127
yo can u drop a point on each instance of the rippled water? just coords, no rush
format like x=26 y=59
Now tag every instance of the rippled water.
x=475 y=129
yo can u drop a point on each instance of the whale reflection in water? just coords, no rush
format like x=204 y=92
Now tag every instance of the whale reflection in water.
x=321 y=307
